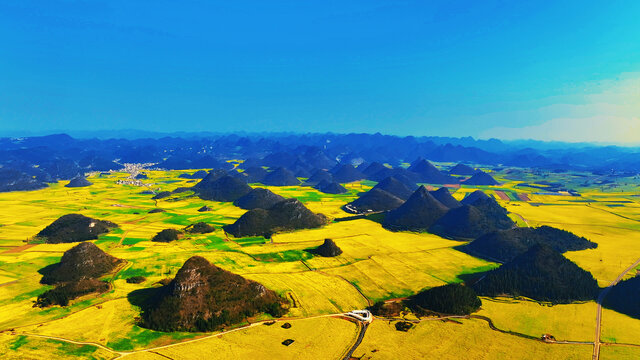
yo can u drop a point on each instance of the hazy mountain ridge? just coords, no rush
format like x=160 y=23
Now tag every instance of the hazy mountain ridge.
x=62 y=157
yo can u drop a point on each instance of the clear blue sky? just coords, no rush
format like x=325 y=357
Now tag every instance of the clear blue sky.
x=456 y=68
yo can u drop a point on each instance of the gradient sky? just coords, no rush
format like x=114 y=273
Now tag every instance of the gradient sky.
x=550 y=70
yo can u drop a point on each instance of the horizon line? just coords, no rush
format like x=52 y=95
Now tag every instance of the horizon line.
x=155 y=134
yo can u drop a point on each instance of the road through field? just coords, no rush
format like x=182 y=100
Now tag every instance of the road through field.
x=352 y=349
x=121 y=354
x=73 y=342
x=603 y=294
x=363 y=329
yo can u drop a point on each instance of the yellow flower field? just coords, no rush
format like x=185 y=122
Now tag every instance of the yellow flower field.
x=376 y=264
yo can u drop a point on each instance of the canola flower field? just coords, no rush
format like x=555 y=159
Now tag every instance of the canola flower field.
x=376 y=264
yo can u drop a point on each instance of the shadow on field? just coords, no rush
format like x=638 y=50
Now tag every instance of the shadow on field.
x=379 y=218
x=144 y=298
x=47 y=270
x=471 y=279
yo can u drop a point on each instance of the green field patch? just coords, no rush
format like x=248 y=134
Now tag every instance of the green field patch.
x=221 y=223
x=25 y=223
x=477 y=269
x=136 y=248
x=517 y=219
x=136 y=338
x=468 y=272
x=123 y=344
x=57 y=312
x=37 y=240
x=130 y=272
x=31 y=294
x=400 y=294
x=284 y=256
x=107 y=238
x=392 y=295
x=193 y=206
x=183 y=335
x=368 y=183
x=73 y=349
x=86 y=303
x=308 y=196
x=218 y=246
x=487 y=188
x=125 y=211
x=513 y=196
x=226 y=261
x=334 y=303
x=17 y=343
x=249 y=241
x=176 y=219
x=214 y=243
x=132 y=241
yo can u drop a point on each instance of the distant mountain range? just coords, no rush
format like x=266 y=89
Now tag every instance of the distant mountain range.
x=50 y=158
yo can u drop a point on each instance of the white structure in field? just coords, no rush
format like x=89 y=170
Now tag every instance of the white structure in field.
x=362 y=315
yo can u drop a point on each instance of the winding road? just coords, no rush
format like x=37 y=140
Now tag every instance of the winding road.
x=73 y=342
x=603 y=294
x=362 y=325
x=121 y=354
x=363 y=329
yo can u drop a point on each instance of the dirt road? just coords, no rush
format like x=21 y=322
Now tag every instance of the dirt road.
x=603 y=294
x=363 y=329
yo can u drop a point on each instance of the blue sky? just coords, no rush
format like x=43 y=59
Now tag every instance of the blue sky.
x=509 y=69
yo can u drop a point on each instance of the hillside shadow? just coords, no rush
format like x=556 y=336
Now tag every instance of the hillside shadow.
x=379 y=218
x=48 y=269
x=465 y=249
x=144 y=298
x=313 y=251
x=471 y=279
x=46 y=272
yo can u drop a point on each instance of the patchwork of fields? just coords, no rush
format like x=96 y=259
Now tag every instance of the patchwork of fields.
x=375 y=265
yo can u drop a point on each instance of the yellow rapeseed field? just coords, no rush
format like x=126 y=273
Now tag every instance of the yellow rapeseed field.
x=619 y=353
x=376 y=264
x=466 y=339
x=619 y=328
x=26 y=347
x=317 y=338
x=574 y=322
